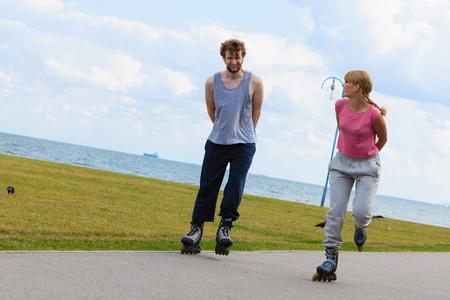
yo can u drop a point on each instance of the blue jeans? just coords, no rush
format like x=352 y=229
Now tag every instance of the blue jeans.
x=215 y=162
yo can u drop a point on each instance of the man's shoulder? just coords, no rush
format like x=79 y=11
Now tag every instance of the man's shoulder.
x=210 y=79
x=256 y=79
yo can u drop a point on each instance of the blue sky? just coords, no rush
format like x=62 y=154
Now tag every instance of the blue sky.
x=129 y=76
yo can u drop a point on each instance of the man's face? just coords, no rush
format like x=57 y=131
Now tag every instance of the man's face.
x=233 y=61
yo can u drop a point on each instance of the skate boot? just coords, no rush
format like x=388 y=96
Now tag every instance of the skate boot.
x=191 y=241
x=327 y=270
x=223 y=239
x=360 y=237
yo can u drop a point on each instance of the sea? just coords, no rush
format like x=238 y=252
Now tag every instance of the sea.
x=260 y=185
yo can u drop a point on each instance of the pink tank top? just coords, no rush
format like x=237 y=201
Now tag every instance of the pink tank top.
x=357 y=136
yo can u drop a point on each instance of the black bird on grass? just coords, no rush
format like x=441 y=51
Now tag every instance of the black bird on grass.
x=10 y=190
x=321 y=224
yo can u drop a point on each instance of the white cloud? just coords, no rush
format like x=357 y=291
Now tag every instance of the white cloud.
x=66 y=107
x=307 y=22
x=127 y=100
x=333 y=33
x=45 y=5
x=39 y=6
x=402 y=43
x=62 y=12
x=9 y=81
x=178 y=82
x=441 y=138
x=270 y=51
x=11 y=24
x=408 y=37
x=417 y=151
x=134 y=28
x=6 y=80
x=394 y=26
x=213 y=33
x=116 y=72
x=264 y=50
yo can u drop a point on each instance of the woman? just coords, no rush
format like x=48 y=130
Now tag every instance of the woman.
x=362 y=134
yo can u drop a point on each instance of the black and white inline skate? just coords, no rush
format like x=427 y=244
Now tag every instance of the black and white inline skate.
x=327 y=270
x=359 y=237
x=191 y=241
x=223 y=238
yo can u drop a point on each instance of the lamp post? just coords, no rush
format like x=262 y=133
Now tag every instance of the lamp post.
x=333 y=87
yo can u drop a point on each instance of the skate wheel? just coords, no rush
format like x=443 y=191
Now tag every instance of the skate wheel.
x=190 y=250
x=220 y=250
x=324 y=277
x=316 y=277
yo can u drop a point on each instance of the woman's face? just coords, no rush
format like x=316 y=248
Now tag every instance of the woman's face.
x=350 y=89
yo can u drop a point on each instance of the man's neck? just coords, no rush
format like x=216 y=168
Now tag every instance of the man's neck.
x=232 y=76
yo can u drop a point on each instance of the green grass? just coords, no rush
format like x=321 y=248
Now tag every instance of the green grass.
x=62 y=207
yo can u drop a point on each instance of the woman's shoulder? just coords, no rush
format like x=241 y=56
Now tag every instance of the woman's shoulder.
x=374 y=110
x=340 y=103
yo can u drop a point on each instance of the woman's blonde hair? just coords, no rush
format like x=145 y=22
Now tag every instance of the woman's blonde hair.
x=362 y=78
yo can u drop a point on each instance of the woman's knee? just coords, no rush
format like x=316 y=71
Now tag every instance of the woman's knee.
x=361 y=218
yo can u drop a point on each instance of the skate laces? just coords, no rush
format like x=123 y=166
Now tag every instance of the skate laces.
x=330 y=254
x=225 y=231
x=359 y=232
x=194 y=229
x=359 y=236
x=225 y=227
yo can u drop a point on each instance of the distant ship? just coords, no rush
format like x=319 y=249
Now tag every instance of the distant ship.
x=152 y=155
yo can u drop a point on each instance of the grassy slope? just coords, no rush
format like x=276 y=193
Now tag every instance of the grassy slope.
x=65 y=207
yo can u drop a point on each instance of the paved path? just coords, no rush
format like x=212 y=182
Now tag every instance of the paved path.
x=242 y=275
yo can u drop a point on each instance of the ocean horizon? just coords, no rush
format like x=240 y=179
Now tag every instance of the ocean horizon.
x=188 y=173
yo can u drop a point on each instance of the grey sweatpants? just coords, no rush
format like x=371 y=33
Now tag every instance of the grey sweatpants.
x=344 y=172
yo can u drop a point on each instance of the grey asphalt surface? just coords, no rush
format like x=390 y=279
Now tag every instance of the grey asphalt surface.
x=241 y=275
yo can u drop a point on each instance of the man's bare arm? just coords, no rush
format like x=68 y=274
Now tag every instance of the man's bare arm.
x=209 y=97
x=257 y=99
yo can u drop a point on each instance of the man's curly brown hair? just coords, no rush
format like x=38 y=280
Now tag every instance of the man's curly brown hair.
x=233 y=46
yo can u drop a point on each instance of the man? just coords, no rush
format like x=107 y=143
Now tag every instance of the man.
x=233 y=100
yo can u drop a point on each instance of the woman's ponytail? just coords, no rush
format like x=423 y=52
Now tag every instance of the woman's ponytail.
x=382 y=109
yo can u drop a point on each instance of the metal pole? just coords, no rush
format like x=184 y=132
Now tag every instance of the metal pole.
x=324 y=193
